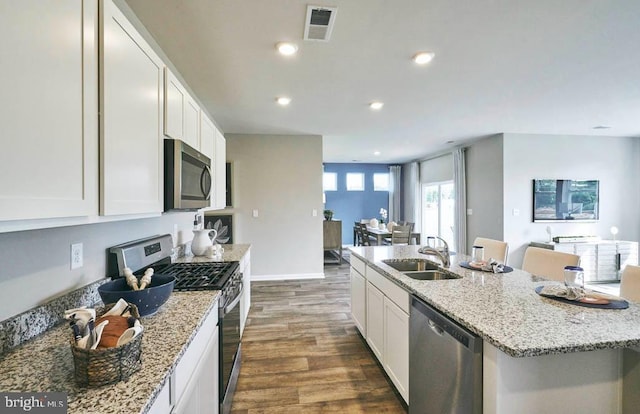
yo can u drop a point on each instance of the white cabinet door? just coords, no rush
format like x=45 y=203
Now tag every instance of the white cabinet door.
x=162 y=404
x=192 y=123
x=132 y=117
x=219 y=192
x=207 y=136
x=49 y=117
x=245 y=304
x=174 y=97
x=396 y=346
x=375 y=320
x=207 y=146
x=181 y=112
x=201 y=395
x=358 y=301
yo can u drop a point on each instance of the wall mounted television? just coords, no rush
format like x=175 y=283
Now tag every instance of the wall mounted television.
x=565 y=200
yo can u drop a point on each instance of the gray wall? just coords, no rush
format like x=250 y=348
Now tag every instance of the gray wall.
x=35 y=265
x=484 y=168
x=613 y=161
x=281 y=177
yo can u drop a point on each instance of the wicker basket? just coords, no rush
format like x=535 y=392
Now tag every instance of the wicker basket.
x=103 y=366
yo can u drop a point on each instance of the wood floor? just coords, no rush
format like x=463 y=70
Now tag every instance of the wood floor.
x=303 y=354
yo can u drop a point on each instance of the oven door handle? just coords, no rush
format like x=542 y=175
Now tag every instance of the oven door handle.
x=229 y=307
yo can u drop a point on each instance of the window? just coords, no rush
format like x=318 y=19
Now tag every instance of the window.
x=355 y=182
x=329 y=181
x=381 y=182
x=438 y=203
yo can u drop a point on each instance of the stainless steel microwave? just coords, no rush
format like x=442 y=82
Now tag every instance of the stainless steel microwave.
x=187 y=177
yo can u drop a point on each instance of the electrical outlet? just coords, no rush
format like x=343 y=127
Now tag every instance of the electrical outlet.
x=76 y=256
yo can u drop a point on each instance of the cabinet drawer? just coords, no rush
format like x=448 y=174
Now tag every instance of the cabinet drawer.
x=357 y=264
x=394 y=292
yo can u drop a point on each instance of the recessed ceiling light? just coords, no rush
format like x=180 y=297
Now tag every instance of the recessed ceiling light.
x=376 y=105
x=287 y=49
x=283 y=100
x=422 y=58
x=376 y=153
x=602 y=127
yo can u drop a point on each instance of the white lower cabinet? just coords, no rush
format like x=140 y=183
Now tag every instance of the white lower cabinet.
x=359 y=301
x=375 y=320
x=201 y=395
x=193 y=387
x=380 y=310
x=396 y=346
x=245 y=303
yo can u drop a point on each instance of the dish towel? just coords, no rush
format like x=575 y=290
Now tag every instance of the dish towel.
x=566 y=292
x=492 y=265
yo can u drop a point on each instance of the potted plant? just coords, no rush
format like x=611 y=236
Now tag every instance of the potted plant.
x=328 y=215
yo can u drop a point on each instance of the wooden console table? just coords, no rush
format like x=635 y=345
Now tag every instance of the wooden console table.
x=332 y=237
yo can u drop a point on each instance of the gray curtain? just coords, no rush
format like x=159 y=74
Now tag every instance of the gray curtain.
x=394 y=192
x=412 y=194
x=460 y=183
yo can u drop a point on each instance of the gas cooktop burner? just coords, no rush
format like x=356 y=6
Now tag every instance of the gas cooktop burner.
x=200 y=276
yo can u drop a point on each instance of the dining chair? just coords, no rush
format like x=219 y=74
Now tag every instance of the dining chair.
x=630 y=283
x=361 y=230
x=493 y=249
x=401 y=234
x=548 y=263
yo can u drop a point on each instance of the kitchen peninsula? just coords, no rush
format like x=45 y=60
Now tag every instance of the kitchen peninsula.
x=539 y=355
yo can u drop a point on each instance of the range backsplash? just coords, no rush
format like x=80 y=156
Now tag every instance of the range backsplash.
x=20 y=328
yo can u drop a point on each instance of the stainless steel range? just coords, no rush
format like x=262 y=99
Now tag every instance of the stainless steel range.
x=156 y=252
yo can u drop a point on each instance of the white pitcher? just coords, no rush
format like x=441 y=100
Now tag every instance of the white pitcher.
x=202 y=241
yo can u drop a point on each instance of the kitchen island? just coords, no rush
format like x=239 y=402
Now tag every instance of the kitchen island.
x=539 y=355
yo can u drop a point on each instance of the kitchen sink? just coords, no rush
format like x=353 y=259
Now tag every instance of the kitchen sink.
x=431 y=275
x=410 y=265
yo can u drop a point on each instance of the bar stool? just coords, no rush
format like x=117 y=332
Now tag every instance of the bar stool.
x=548 y=263
x=630 y=283
x=493 y=249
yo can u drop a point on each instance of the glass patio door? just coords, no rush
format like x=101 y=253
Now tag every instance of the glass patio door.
x=438 y=203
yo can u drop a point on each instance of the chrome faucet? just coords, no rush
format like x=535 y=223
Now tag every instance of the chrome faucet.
x=442 y=252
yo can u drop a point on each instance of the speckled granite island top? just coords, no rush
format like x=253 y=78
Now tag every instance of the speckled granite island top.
x=45 y=364
x=505 y=310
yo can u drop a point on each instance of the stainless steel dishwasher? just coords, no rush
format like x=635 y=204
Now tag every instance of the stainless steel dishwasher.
x=445 y=364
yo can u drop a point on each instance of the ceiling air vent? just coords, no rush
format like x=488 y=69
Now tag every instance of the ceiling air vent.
x=319 y=23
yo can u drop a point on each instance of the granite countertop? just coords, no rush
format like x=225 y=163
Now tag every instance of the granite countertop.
x=232 y=253
x=505 y=310
x=45 y=364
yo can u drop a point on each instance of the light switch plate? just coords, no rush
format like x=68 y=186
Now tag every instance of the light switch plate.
x=314 y=213
x=255 y=213
x=516 y=212
x=469 y=212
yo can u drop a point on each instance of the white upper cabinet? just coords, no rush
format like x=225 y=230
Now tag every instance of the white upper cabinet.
x=173 y=106
x=219 y=170
x=214 y=145
x=182 y=112
x=49 y=117
x=192 y=123
x=131 y=87
x=207 y=136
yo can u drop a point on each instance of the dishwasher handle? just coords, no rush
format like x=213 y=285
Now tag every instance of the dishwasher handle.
x=435 y=328
x=441 y=324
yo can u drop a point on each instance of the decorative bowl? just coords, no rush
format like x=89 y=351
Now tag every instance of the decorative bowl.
x=148 y=300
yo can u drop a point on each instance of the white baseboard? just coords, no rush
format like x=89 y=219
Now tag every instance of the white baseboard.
x=294 y=276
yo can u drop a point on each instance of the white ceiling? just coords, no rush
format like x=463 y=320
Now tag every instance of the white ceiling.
x=528 y=66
